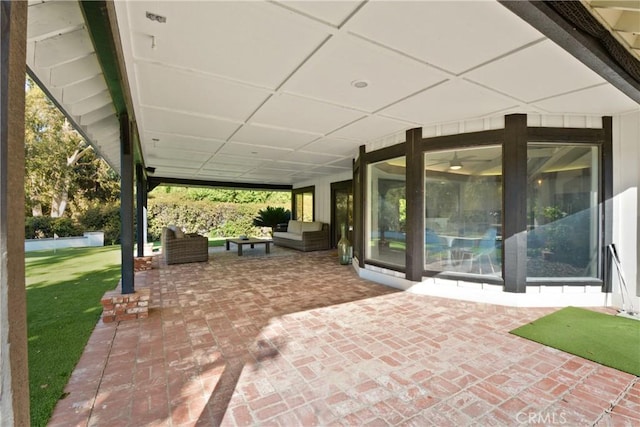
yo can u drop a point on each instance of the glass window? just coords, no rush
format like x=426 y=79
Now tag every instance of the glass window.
x=463 y=211
x=387 y=212
x=562 y=210
x=303 y=204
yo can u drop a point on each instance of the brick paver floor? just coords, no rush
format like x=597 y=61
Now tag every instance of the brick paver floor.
x=295 y=339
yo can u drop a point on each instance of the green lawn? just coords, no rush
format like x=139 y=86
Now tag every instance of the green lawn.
x=216 y=241
x=63 y=306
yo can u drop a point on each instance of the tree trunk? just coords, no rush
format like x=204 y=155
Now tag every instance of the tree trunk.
x=59 y=203
x=36 y=210
x=60 y=199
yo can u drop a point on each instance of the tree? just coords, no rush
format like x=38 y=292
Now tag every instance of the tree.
x=60 y=166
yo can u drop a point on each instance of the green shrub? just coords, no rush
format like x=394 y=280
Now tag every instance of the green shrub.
x=66 y=227
x=39 y=227
x=104 y=218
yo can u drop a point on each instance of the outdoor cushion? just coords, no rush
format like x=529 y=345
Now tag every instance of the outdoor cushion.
x=311 y=226
x=177 y=231
x=294 y=227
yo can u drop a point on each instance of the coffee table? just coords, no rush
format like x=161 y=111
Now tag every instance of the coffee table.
x=250 y=241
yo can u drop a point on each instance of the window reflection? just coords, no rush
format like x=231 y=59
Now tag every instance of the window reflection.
x=388 y=212
x=562 y=210
x=463 y=211
x=303 y=204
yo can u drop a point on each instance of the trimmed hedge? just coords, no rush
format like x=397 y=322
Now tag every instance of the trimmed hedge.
x=203 y=217
x=213 y=219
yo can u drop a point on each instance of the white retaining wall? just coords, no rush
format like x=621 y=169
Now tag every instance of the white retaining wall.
x=90 y=238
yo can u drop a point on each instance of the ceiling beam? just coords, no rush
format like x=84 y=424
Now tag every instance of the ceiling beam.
x=99 y=17
x=155 y=181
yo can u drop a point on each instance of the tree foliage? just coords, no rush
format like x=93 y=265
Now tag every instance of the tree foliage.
x=61 y=168
x=225 y=195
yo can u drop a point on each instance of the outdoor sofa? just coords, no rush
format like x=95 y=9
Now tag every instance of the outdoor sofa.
x=303 y=236
x=178 y=247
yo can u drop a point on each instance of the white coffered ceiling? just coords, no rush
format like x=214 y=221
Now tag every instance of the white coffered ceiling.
x=264 y=91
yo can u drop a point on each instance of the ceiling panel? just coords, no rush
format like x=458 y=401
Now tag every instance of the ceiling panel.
x=332 y=72
x=310 y=158
x=253 y=151
x=342 y=163
x=185 y=91
x=83 y=89
x=331 y=12
x=454 y=100
x=92 y=103
x=331 y=170
x=179 y=153
x=62 y=48
x=304 y=114
x=454 y=35
x=218 y=175
x=96 y=115
x=336 y=146
x=286 y=166
x=371 y=127
x=75 y=71
x=244 y=161
x=538 y=72
x=601 y=100
x=185 y=124
x=163 y=140
x=274 y=137
x=224 y=38
x=48 y=20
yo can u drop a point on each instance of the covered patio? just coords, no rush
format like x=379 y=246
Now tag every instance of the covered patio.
x=292 y=339
x=379 y=99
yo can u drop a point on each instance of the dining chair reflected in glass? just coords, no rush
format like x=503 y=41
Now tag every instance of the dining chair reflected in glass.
x=435 y=247
x=484 y=250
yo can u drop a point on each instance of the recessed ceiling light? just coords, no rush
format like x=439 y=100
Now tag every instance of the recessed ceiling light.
x=360 y=84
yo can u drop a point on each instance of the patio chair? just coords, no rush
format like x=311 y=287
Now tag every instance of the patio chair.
x=188 y=248
x=485 y=249
x=435 y=246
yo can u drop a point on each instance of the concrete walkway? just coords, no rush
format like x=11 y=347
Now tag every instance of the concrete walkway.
x=295 y=339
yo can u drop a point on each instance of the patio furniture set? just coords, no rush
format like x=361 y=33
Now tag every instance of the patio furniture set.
x=179 y=247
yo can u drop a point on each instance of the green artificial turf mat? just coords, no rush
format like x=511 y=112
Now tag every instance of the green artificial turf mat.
x=609 y=340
